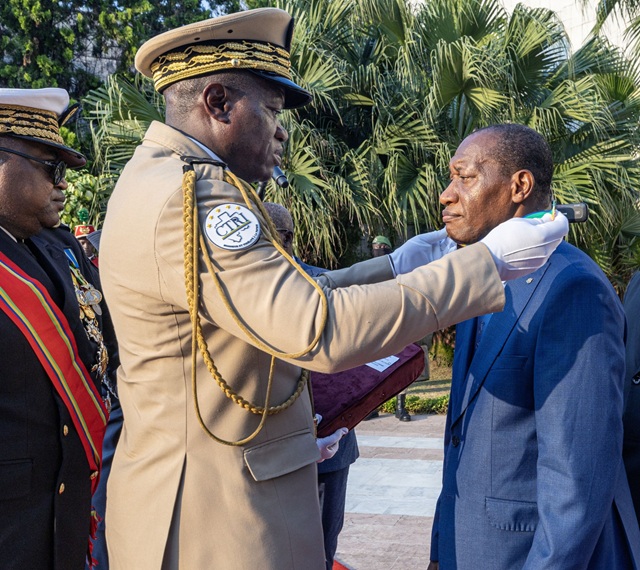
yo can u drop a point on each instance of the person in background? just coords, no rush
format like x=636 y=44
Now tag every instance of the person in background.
x=82 y=233
x=334 y=472
x=381 y=246
x=631 y=419
x=283 y=223
x=533 y=475
x=216 y=466
x=58 y=352
x=94 y=240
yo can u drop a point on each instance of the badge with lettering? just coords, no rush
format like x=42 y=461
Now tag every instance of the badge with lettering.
x=232 y=226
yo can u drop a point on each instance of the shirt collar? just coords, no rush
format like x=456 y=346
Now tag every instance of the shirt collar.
x=206 y=149
x=9 y=234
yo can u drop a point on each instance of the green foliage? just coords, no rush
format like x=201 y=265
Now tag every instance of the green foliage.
x=625 y=11
x=442 y=345
x=119 y=113
x=419 y=405
x=35 y=40
x=396 y=88
x=75 y=44
x=85 y=199
x=400 y=88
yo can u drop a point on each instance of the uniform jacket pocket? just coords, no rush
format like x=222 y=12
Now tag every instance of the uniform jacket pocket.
x=281 y=456
x=518 y=516
x=15 y=478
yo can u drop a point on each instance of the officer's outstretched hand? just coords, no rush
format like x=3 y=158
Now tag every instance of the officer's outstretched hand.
x=329 y=445
x=521 y=245
x=420 y=250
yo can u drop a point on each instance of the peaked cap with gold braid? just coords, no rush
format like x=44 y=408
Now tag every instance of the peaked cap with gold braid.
x=37 y=115
x=254 y=40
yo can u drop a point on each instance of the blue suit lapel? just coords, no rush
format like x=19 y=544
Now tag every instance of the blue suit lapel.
x=472 y=368
x=462 y=356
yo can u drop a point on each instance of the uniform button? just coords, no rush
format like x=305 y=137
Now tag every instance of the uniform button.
x=61 y=489
x=455 y=440
x=65 y=430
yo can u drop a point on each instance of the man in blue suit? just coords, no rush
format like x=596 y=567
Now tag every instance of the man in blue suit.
x=533 y=475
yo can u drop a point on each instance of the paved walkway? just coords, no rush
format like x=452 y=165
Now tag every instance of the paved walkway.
x=392 y=493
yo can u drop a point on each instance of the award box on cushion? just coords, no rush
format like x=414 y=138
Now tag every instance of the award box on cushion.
x=345 y=398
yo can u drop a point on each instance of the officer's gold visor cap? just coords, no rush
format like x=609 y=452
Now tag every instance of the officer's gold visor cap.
x=258 y=41
x=36 y=115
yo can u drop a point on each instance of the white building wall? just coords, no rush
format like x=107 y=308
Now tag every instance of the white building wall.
x=577 y=20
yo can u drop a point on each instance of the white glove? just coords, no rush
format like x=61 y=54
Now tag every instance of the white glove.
x=420 y=250
x=329 y=445
x=519 y=246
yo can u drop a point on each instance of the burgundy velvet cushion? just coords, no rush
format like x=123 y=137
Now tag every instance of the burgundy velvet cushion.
x=344 y=399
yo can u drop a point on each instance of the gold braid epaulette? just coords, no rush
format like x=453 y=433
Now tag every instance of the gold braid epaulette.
x=193 y=243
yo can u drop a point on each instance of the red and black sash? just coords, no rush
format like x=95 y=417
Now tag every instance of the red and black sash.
x=28 y=304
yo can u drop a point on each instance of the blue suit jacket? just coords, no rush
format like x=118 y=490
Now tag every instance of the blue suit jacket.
x=533 y=474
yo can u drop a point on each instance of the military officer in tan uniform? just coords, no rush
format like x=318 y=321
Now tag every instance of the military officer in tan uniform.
x=216 y=466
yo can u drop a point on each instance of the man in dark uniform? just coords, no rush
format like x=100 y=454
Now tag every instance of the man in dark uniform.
x=57 y=348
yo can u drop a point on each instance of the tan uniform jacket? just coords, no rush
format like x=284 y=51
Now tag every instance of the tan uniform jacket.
x=176 y=498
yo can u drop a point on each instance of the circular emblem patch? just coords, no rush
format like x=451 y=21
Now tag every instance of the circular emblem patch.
x=232 y=226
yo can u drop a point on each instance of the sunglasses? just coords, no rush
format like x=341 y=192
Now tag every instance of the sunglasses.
x=57 y=170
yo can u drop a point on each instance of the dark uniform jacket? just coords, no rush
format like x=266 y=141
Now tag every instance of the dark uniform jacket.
x=45 y=490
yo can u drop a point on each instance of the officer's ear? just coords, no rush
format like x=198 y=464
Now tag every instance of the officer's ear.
x=218 y=101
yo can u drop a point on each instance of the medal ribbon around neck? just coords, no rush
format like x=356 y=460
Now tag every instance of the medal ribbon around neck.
x=89 y=299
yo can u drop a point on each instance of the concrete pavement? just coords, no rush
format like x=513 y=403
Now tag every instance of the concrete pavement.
x=392 y=493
